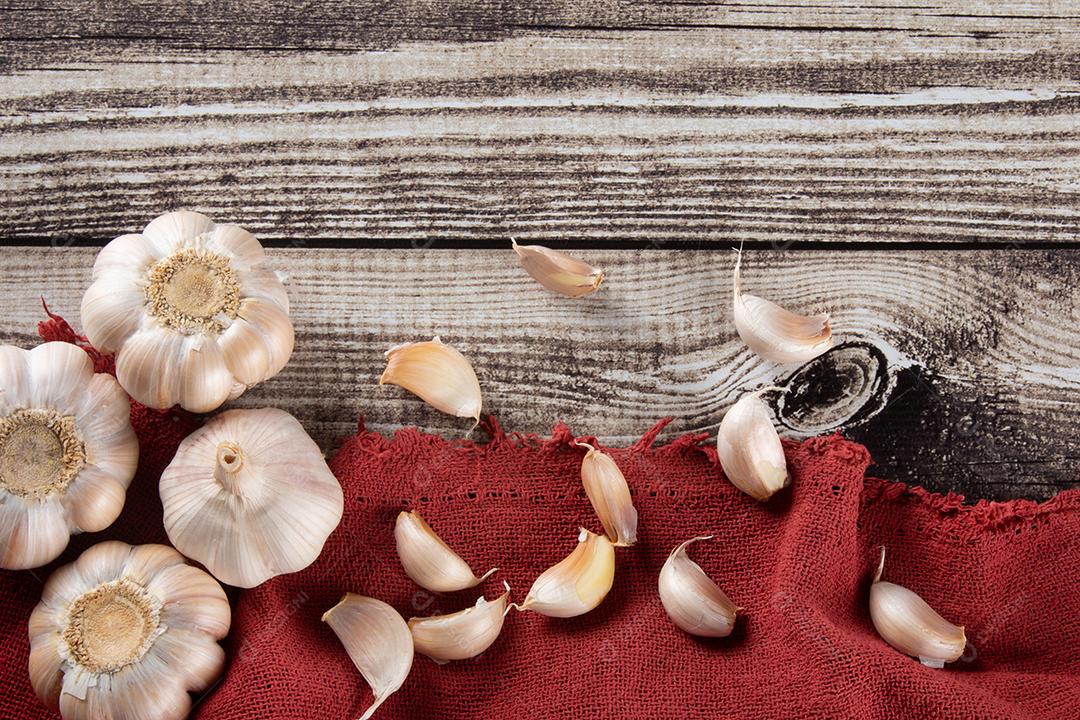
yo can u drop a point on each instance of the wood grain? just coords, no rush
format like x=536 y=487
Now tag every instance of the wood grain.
x=980 y=384
x=605 y=123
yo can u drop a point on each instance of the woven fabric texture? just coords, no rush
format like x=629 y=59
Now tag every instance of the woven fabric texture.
x=800 y=565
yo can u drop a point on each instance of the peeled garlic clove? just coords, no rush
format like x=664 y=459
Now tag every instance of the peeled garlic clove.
x=610 y=496
x=378 y=641
x=438 y=374
x=750 y=450
x=463 y=634
x=250 y=496
x=775 y=333
x=558 y=271
x=127 y=632
x=909 y=624
x=429 y=561
x=693 y=601
x=578 y=583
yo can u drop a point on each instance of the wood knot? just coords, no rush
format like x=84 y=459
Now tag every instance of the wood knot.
x=845 y=386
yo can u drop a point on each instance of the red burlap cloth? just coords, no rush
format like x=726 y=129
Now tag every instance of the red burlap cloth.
x=800 y=566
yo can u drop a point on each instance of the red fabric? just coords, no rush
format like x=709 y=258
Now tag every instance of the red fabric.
x=799 y=565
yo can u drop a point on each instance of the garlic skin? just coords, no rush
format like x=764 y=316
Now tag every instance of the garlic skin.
x=67 y=451
x=250 y=497
x=694 y=602
x=749 y=448
x=909 y=624
x=557 y=271
x=576 y=584
x=378 y=642
x=610 y=496
x=461 y=635
x=777 y=334
x=191 y=311
x=427 y=560
x=438 y=374
x=127 y=632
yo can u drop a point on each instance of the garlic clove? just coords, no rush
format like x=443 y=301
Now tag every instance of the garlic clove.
x=59 y=372
x=777 y=334
x=96 y=500
x=235 y=242
x=46 y=667
x=461 y=635
x=183 y=580
x=905 y=621
x=750 y=450
x=15 y=386
x=104 y=418
x=107 y=562
x=260 y=282
x=191 y=656
x=125 y=254
x=205 y=379
x=35 y=534
x=111 y=312
x=557 y=271
x=378 y=641
x=148 y=366
x=693 y=601
x=172 y=231
x=250 y=496
x=438 y=374
x=259 y=342
x=610 y=496
x=248 y=353
x=429 y=561
x=272 y=322
x=576 y=584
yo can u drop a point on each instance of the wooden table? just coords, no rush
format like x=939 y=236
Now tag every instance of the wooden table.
x=912 y=167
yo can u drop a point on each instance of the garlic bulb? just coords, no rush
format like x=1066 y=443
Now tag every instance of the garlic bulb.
x=249 y=496
x=557 y=271
x=775 y=333
x=67 y=451
x=610 y=496
x=127 y=632
x=693 y=601
x=578 y=583
x=190 y=309
x=463 y=634
x=909 y=624
x=429 y=561
x=378 y=641
x=438 y=374
x=749 y=448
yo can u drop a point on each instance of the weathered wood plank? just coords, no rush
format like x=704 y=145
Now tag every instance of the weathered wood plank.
x=333 y=24
x=605 y=123
x=960 y=369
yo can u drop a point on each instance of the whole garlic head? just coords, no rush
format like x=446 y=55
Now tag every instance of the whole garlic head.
x=249 y=496
x=67 y=451
x=191 y=310
x=127 y=632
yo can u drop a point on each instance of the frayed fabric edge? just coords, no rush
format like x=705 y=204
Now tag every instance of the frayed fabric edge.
x=990 y=515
